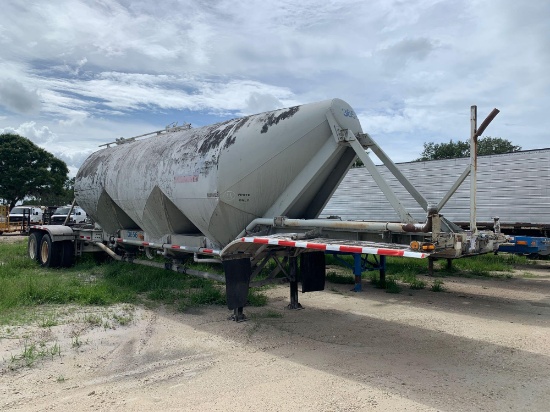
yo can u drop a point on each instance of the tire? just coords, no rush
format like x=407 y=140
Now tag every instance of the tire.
x=33 y=245
x=49 y=254
x=67 y=254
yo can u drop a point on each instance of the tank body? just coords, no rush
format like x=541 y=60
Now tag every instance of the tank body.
x=215 y=180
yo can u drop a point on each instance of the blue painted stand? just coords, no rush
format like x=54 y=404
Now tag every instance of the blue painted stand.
x=363 y=264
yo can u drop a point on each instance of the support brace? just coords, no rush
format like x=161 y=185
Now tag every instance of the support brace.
x=293 y=277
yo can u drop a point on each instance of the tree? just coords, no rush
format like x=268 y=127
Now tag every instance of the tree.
x=64 y=197
x=452 y=150
x=27 y=170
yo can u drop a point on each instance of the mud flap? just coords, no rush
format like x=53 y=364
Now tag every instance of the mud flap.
x=312 y=270
x=237 y=278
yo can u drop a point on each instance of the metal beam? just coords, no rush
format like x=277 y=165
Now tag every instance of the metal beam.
x=347 y=136
x=404 y=215
x=453 y=189
x=473 y=168
x=392 y=167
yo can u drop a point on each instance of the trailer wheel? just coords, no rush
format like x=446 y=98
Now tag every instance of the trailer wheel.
x=67 y=254
x=50 y=252
x=33 y=246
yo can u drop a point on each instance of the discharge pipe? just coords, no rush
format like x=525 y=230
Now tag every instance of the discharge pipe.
x=341 y=224
x=173 y=267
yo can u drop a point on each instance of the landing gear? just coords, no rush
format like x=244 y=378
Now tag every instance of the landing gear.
x=293 y=277
x=238 y=272
x=237 y=276
x=238 y=315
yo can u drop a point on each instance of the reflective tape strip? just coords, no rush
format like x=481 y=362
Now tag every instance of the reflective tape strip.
x=335 y=248
x=317 y=246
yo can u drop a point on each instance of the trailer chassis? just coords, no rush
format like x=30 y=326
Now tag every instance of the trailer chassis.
x=286 y=241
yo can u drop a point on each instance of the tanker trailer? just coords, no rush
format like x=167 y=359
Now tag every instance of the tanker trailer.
x=213 y=181
x=241 y=193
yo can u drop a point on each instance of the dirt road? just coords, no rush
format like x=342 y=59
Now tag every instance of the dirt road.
x=482 y=345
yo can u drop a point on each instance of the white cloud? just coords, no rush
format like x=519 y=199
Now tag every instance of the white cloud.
x=261 y=102
x=17 y=98
x=41 y=135
x=412 y=69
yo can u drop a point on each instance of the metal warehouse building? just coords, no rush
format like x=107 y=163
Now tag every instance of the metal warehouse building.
x=512 y=186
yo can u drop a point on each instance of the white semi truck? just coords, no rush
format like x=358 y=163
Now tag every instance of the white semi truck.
x=243 y=192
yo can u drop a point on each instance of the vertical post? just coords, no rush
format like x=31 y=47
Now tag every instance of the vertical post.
x=237 y=276
x=69 y=214
x=293 y=275
x=357 y=272
x=473 y=169
x=382 y=270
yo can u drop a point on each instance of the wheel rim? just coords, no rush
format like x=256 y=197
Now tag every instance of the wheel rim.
x=32 y=247
x=44 y=251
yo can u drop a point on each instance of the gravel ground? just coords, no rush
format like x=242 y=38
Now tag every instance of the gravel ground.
x=481 y=345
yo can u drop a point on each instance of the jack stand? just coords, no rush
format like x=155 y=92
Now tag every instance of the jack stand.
x=357 y=270
x=293 y=266
x=238 y=315
x=382 y=270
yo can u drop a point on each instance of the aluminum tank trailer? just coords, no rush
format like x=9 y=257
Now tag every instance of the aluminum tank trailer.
x=215 y=180
x=241 y=193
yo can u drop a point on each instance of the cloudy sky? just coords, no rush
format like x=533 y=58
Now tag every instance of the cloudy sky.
x=78 y=73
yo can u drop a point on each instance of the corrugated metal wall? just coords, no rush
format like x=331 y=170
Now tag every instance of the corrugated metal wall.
x=513 y=186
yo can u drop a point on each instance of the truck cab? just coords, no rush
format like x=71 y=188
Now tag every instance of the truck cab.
x=18 y=213
x=78 y=215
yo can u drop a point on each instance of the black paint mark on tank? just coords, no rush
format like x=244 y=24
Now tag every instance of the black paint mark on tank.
x=214 y=137
x=231 y=138
x=272 y=119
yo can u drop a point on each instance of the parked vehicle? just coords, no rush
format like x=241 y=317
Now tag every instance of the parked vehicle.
x=31 y=213
x=241 y=193
x=78 y=215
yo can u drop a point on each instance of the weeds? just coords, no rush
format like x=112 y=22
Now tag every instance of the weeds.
x=488 y=265
x=48 y=321
x=25 y=285
x=375 y=280
x=334 y=277
x=392 y=286
x=123 y=319
x=76 y=342
x=33 y=352
x=437 y=286
x=417 y=284
x=93 y=320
